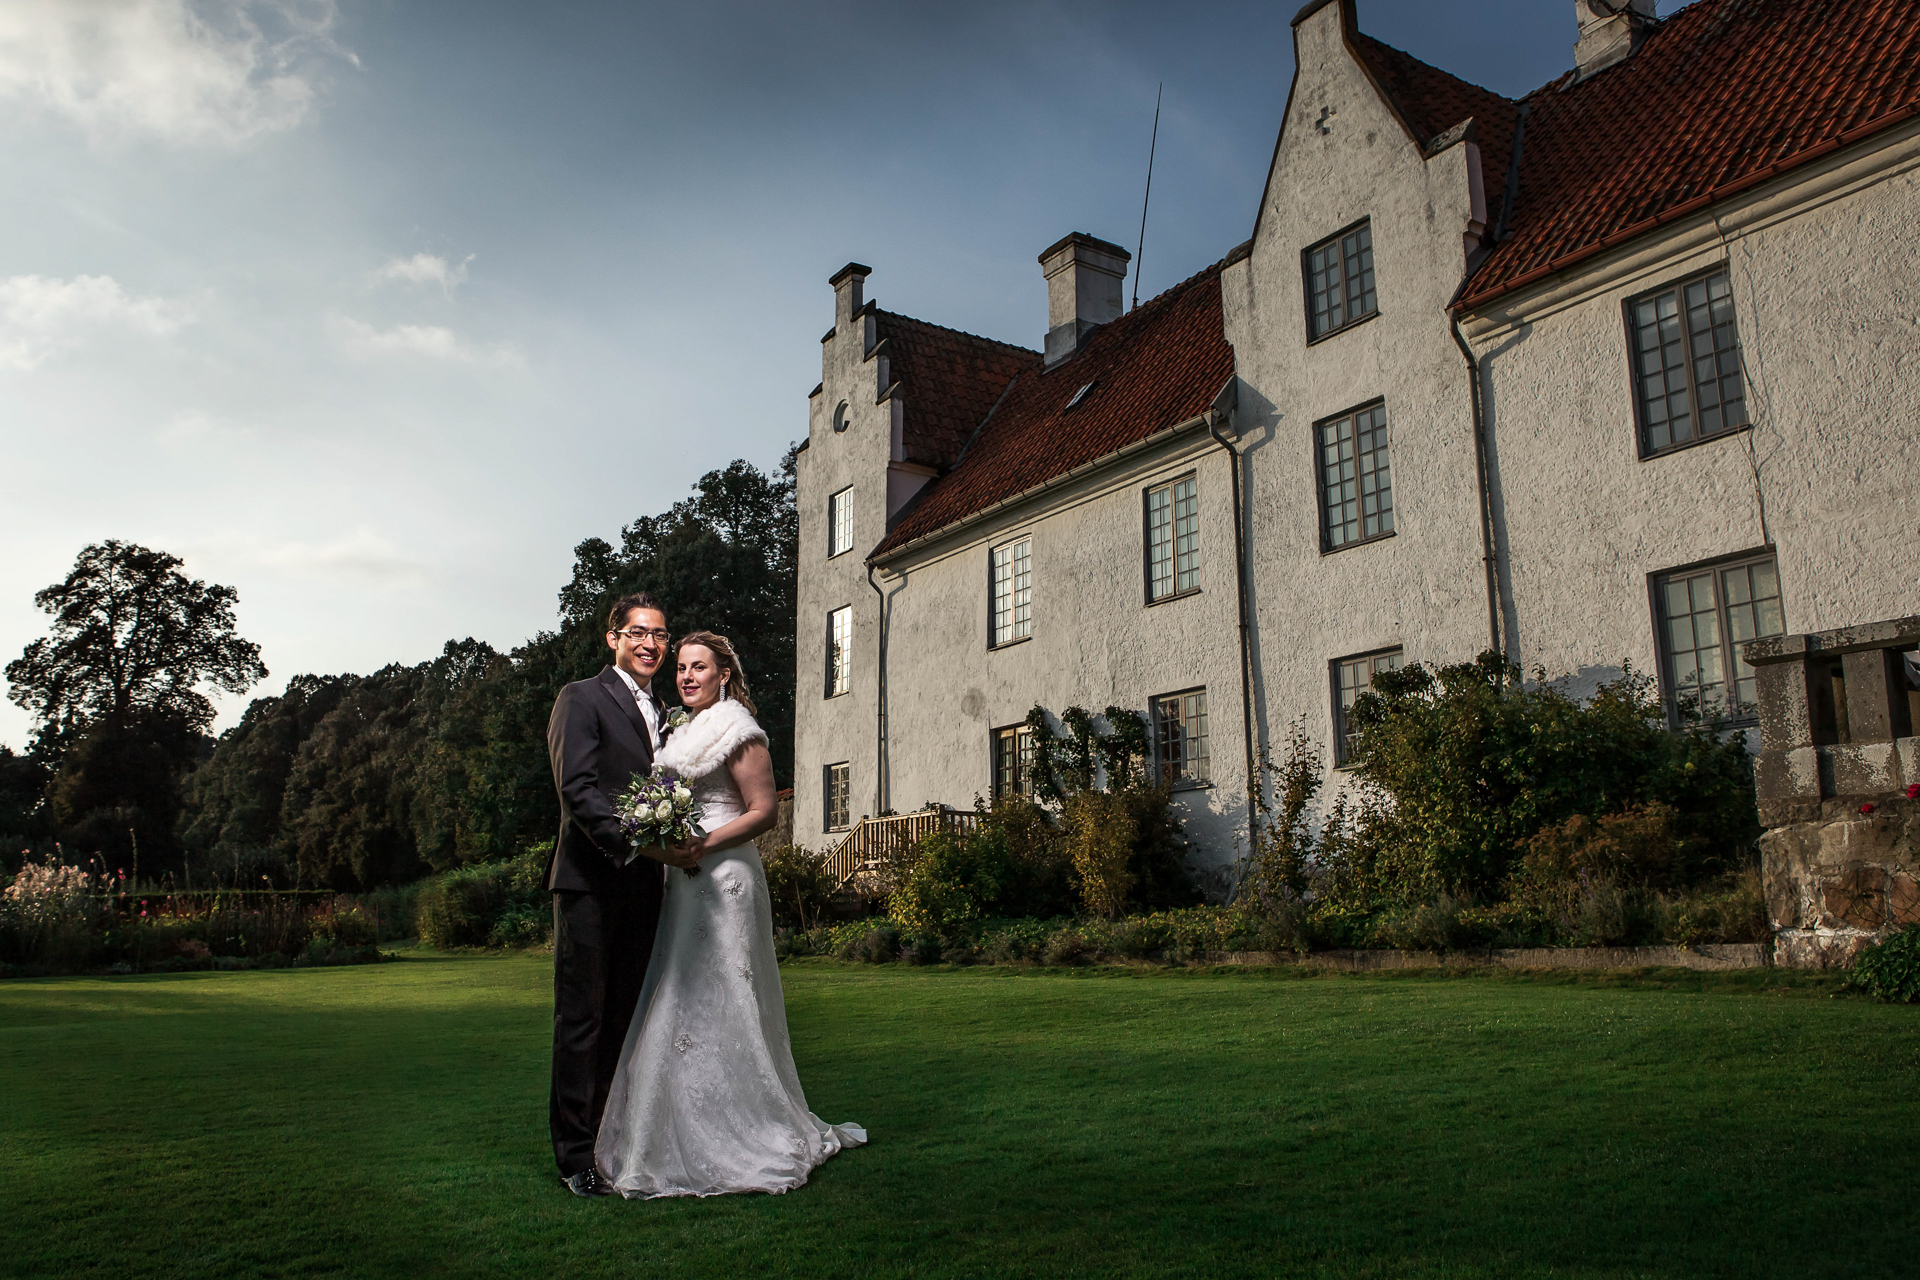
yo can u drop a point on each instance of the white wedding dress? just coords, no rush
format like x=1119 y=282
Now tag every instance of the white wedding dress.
x=706 y=1100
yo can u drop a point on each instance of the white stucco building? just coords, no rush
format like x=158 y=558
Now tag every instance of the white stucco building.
x=1620 y=372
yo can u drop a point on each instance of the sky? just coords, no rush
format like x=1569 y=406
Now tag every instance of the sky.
x=373 y=310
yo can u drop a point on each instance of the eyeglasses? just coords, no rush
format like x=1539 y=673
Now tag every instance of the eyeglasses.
x=659 y=635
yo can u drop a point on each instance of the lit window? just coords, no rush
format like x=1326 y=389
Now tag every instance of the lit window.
x=1013 y=591
x=1353 y=677
x=838 y=793
x=1356 y=484
x=1180 y=738
x=1705 y=616
x=1340 y=280
x=840 y=522
x=1173 y=539
x=1013 y=761
x=839 y=649
x=1686 y=353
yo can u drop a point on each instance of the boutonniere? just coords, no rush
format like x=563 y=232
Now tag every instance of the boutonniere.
x=678 y=718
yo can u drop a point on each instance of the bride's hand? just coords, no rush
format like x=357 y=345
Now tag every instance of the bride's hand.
x=691 y=852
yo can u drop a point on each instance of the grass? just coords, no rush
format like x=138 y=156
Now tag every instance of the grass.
x=391 y=1120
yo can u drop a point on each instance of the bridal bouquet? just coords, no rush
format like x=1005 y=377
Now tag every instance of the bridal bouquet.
x=658 y=809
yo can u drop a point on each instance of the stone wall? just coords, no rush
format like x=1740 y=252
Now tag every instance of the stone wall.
x=1841 y=881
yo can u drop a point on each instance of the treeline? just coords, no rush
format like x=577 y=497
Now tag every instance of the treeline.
x=350 y=782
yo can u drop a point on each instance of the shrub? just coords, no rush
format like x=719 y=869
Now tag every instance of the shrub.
x=954 y=880
x=1471 y=763
x=1038 y=880
x=1067 y=946
x=798 y=886
x=921 y=950
x=870 y=943
x=1012 y=941
x=47 y=915
x=488 y=904
x=1445 y=924
x=1100 y=835
x=1890 y=968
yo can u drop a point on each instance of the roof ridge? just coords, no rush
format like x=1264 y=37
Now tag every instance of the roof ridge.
x=962 y=333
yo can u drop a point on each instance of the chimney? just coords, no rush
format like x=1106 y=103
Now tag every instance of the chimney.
x=849 y=283
x=1610 y=32
x=1084 y=278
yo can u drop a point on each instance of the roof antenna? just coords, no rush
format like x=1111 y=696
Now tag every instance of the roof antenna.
x=1155 y=142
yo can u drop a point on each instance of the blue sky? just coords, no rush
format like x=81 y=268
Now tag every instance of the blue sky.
x=374 y=309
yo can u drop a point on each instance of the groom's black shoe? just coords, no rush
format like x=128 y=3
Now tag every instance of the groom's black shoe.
x=587 y=1182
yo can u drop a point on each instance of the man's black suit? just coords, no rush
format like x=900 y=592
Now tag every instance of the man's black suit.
x=604 y=914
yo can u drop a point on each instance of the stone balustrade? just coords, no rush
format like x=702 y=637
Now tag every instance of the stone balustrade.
x=1838 y=751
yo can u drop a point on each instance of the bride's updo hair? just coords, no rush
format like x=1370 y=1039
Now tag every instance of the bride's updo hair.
x=729 y=662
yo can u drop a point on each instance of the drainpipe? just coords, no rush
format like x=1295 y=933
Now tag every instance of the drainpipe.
x=880 y=719
x=1485 y=486
x=1246 y=656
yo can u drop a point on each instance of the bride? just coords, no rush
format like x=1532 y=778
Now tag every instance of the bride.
x=706 y=1100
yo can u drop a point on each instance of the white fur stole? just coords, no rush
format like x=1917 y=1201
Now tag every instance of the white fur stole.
x=705 y=743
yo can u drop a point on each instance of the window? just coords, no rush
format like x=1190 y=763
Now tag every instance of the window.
x=1340 y=281
x=1686 y=354
x=1013 y=761
x=840 y=522
x=1013 y=591
x=1356 y=485
x=1180 y=738
x=1351 y=678
x=839 y=649
x=1173 y=539
x=837 y=792
x=1705 y=616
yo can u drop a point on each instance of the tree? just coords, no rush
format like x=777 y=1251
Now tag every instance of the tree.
x=116 y=691
x=132 y=639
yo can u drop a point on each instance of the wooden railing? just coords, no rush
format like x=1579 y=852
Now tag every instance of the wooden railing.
x=876 y=846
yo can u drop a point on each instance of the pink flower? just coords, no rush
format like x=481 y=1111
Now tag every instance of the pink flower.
x=1913 y=791
x=1868 y=807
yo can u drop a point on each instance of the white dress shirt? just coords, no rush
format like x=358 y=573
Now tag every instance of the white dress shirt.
x=649 y=708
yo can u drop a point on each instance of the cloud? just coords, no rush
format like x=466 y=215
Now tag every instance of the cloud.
x=416 y=341
x=427 y=268
x=365 y=556
x=197 y=433
x=41 y=318
x=186 y=72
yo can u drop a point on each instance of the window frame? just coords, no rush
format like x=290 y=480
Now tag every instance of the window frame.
x=1156 y=721
x=846 y=796
x=1013 y=607
x=1662 y=638
x=1643 y=447
x=1023 y=759
x=844 y=686
x=1320 y=476
x=839 y=503
x=1170 y=487
x=1342 y=753
x=1306 y=280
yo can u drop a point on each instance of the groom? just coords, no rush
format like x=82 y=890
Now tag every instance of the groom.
x=602 y=734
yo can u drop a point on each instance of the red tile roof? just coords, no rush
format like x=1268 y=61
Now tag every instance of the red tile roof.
x=1722 y=96
x=1432 y=102
x=1157 y=366
x=948 y=381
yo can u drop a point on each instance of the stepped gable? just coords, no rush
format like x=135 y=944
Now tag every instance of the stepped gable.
x=1720 y=97
x=948 y=380
x=1431 y=102
x=1157 y=366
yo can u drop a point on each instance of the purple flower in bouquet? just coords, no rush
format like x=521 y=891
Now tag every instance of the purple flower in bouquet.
x=658 y=809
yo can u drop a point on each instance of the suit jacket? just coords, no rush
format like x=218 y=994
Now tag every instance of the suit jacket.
x=597 y=741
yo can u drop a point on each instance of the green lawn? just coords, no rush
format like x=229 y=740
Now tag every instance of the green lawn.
x=391 y=1120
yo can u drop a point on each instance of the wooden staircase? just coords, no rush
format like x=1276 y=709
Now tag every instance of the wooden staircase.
x=862 y=863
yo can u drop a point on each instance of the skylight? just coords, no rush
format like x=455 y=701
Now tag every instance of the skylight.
x=1079 y=395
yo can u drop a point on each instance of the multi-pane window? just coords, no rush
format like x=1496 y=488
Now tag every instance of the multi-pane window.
x=1686 y=353
x=840 y=522
x=1013 y=591
x=1173 y=539
x=1013 y=761
x=1356 y=485
x=837 y=787
x=1351 y=678
x=1180 y=738
x=1705 y=616
x=1340 y=280
x=839 y=649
